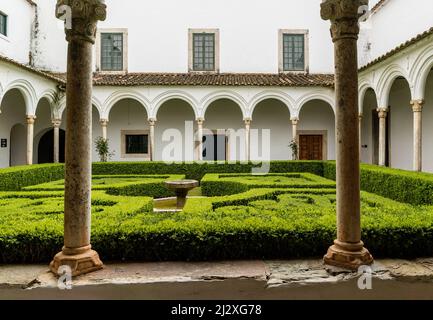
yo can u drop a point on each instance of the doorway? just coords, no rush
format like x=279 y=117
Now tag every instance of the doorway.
x=46 y=147
x=214 y=147
x=310 y=147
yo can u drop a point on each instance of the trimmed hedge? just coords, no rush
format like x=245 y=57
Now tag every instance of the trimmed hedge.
x=225 y=184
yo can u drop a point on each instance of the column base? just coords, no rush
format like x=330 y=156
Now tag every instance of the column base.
x=80 y=260
x=348 y=255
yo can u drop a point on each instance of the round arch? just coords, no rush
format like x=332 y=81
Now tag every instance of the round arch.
x=221 y=95
x=386 y=81
x=363 y=88
x=173 y=95
x=314 y=96
x=28 y=92
x=122 y=95
x=275 y=95
x=420 y=71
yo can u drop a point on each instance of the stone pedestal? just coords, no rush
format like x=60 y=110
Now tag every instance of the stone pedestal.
x=382 y=113
x=152 y=123
x=30 y=134
x=348 y=250
x=77 y=252
x=417 y=134
x=56 y=128
x=104 y=126
x=247 y=139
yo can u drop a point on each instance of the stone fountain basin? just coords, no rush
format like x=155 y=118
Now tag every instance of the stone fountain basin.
x=181 y=188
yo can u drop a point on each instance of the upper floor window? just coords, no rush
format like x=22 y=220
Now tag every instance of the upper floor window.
x=204 y=50
x=3 y=24
x=112 y=50
x=294 y=51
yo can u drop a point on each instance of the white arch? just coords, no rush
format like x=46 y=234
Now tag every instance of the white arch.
x=28 y=93
x=288 y=101
x=363 y=88
x=50 y=95
x=95 y=102
x=386 y=81
x=420 y=71
x=223 y=94
x=314 y=96
x=171 y=95
x=121 y=95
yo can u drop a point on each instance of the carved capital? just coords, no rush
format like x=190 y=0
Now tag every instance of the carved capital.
x=103 y=122
x=152 y=122
x=295 y=121
x=81 y=17
x=382 y=112
x=417 y=105
x=56 y=123
x=344 y=16
x=31 y=119
x=200 y=121
x=247 y=121
x=360 y=116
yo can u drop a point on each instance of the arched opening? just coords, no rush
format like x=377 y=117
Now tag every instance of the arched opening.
x=18 y=150
x=370 y=129
x=274 y=116
x=224 y=137
x=400 y=119
x=46 y=147
x=316 y=131
x=13 y=132
x=42 y=125
x=128 y=131
x=427 y=159
x=174 y=132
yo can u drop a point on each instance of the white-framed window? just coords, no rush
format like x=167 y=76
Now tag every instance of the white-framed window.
x=112 y=50
x=135 y=144
x=293 y=51
x=3 y=24
x=204 y=46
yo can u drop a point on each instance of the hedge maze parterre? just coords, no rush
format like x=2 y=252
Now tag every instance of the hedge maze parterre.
x=287 y=213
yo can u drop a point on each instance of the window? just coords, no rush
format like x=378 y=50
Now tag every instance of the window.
x=3 y=24
x=111 y=51
x=204 y=50
x=294 y=51
x=137 y=144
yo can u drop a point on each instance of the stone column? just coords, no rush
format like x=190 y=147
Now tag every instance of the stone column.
x=77 y=252
x=382 y=113
x=247 y=139
x=360 y=117
x=417 y=134
x=295 y=122
x=30 y=131
x=104 y=125
x=200 y=122
x=56 y=126
x=152 y=123
x=348 y=250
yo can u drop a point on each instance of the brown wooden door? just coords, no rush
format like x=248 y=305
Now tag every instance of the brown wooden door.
x=310 y=147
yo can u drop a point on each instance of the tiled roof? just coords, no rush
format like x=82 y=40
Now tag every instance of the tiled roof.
x=401 y=47
x=223 y=79
x=49 y=75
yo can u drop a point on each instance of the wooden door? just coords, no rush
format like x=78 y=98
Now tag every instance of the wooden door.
x=310 y=147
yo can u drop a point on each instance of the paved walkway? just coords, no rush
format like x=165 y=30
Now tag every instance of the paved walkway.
x=298 y=279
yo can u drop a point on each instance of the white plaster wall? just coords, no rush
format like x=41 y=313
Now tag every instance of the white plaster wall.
x=273 y=115
x=401 y=122
x=318 y=115
x=428 y=126
x=17 y=44
x=13 y=112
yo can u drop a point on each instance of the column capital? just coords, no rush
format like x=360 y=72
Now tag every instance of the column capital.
x=417 y=105
x=344 y=15
x=200 y=121
x=81 y=17
x=56 y=123
x=247 y=121
x=382 y=112
x=294 y=121
x=104 y=122
x=360 y=116
x=152 y=121
x=30 y=119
